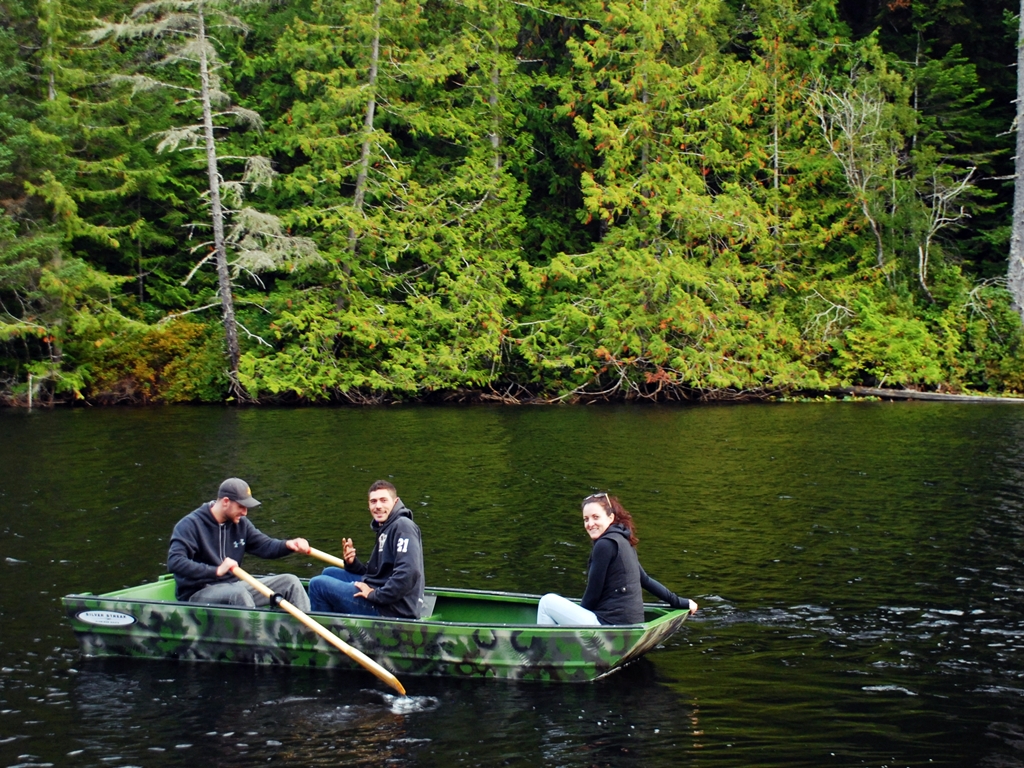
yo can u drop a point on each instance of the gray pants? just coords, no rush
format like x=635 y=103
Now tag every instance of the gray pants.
x=241 y=594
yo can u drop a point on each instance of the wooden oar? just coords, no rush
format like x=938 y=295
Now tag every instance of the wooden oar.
x=327 y=557
x=353 y=653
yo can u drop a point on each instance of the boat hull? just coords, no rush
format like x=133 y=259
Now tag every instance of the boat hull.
x=469 y=634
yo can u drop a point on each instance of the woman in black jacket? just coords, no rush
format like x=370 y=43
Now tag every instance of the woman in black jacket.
x=614 y=576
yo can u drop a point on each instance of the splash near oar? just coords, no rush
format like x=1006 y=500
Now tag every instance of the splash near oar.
x=356 y=655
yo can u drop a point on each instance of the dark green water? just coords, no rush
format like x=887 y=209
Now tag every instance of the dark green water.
x=859 y=568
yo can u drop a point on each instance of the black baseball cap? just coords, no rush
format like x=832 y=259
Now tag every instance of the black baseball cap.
x=237 y=489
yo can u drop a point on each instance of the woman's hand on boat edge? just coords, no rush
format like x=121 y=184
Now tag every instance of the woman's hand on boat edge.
x=679 y=603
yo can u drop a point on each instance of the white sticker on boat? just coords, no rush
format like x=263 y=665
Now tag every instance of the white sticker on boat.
x=105 y=618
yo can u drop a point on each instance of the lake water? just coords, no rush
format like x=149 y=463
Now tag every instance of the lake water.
x=858 y=565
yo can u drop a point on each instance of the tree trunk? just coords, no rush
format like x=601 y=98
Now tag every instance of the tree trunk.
x=371 y=108
x=217 y=216
x=876 y=230
x=492 y=100
x=49 y=18
x=1016 y=271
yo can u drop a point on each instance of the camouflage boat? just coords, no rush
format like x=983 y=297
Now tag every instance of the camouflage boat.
x=469 y=633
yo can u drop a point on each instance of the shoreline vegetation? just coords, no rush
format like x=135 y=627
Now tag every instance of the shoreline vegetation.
x=369 y=201
x=524 y=399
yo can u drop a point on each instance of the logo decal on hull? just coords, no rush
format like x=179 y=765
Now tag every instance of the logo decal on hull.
x=105 y=618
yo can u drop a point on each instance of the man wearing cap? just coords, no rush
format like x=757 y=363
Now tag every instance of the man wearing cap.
x=208 y=542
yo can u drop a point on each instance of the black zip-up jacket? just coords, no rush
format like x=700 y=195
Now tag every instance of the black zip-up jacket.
x=199 y=544
x=395 y=570
x=615 y=580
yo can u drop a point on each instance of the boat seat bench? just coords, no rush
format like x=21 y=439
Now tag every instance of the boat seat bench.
x=429 y=601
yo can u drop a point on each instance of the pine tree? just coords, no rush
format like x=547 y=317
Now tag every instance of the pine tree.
x=398 y=131
x=56 y=167
x=675 y=294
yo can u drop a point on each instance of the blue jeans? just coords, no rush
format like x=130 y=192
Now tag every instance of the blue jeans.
x=555 y=609
x=334 y=591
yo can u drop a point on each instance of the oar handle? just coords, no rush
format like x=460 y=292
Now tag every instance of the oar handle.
x=353 y=653
x=327 y=557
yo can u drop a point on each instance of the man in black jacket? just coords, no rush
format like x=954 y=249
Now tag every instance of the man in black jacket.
x=211 y=540
x=391 y=584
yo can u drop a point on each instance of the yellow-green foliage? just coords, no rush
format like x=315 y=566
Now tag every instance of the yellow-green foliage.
x=180 y=361
x=890 y=346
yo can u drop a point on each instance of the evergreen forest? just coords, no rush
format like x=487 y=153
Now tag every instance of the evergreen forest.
x=365 y=201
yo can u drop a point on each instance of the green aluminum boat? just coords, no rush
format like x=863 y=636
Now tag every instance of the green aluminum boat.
x=468 y=633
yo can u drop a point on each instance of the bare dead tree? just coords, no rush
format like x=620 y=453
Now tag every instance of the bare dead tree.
x=1015 y=273
x=942 y=213
x=257 y=240
x=854 y=127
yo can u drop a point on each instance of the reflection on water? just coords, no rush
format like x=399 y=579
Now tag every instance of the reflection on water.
x=859 y=568
x=162 y=713
x=236 y=718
